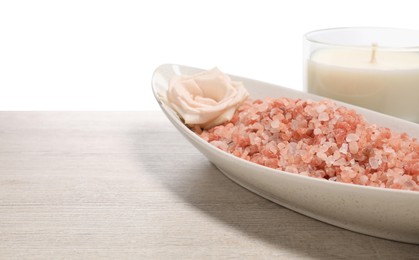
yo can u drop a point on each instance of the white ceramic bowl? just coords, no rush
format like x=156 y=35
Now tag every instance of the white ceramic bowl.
x=386 y=213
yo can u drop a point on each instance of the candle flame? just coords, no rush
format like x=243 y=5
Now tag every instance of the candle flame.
x=373 y=51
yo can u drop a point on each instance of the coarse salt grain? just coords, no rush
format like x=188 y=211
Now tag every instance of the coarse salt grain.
x=275 y=124
x=344 y=148
x=353 y=147
x=352 y=137
x=321 y=108
x=318 y=139
x=317 y=131
x=323 y=116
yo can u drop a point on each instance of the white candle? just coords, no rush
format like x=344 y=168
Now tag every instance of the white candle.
x=382 y=80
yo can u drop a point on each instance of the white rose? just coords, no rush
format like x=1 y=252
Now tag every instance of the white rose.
x=207 y=98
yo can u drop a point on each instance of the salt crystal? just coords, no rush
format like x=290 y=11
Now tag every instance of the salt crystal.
x=344 y=148
x=322 y=155
x=265 y=135
x=273 y=148
x=317 y=131
x=374 y=163
x=310 y=111
x=320 y=108
x=330 y=160
x=353 y=147
x=221 y=145
x=352 y=138
x=323 y=116
x=340 y=162
x=275 y=124
x=336 y=155
x=324 y=147
x=388 y=149
x=262 y=107
x=294 y=124
x=363 y=179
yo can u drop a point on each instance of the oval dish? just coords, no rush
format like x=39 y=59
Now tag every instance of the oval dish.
x=381 y=212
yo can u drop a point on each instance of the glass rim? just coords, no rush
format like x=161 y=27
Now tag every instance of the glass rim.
x=309 y=36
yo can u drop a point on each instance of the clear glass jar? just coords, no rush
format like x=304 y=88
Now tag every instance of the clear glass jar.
x=376 y=68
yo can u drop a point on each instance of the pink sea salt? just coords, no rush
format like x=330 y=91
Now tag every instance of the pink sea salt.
x=318 y=139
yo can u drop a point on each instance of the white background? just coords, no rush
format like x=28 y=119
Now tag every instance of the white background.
x=100 y=55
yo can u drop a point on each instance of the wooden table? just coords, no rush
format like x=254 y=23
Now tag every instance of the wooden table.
x=127 y=185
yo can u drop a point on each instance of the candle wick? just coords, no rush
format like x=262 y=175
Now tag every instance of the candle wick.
x=373 y=51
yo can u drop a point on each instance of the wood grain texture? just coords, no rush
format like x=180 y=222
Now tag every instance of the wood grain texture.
x=127 y=185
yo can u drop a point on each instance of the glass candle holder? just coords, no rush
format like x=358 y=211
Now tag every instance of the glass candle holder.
x=375 y=68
